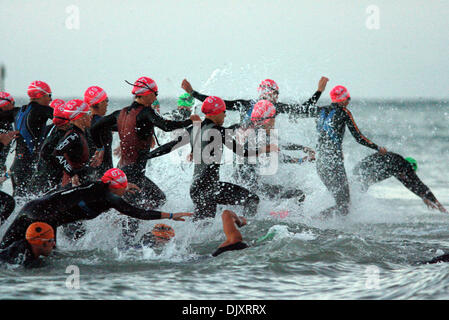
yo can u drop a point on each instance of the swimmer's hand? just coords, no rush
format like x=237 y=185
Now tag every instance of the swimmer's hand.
x=435 y=205
x=195 y=117
x=189 y=157
x=75 y=180
x=322 y=84
x=132 y=188
x=97 y=158
x=6 y=138
x=382 y=151
x=178 y=216
x=187 y=86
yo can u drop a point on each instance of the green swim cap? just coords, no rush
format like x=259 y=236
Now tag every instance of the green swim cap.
x=156 y=103
x=269 y=236
x=413 y=162
x=186 y=100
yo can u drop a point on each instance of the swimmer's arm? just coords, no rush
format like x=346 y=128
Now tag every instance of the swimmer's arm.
x=168 y=147
x=161 y=123
x=230 y=220
x=107 y=123
x=125 y=208
x=230 y=104
x=359 y=137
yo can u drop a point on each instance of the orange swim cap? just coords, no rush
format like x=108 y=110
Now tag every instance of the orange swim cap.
x=38 y=232
x=163 y=231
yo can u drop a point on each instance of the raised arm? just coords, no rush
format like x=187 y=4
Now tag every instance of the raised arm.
x=148 y=114
x=300 y=109
x=230 y=104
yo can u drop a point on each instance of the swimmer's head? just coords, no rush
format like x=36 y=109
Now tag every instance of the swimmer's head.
x=162 y=232
x=41 y=237
x=117 y=181
x=413 y=163
x=340 y=95
x=268 y=90
x=6 y=101
x=215 y=109
x=185 y=100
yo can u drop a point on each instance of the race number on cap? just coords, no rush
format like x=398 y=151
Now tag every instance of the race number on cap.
x=94 y=95
x=38 y=89
x=116 y=178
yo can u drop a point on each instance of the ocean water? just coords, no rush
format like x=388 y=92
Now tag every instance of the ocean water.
x=373 y=253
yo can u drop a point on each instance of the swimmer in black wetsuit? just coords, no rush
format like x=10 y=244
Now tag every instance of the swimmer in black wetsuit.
x=268 y=90
x=38 y=240
x=30 y=120
x=84 y=202
x=206 y=190
x=48 y=175
x=376 y=167
x=135 y=125
x=331 y=123
x=98 y=100
x=72 y=151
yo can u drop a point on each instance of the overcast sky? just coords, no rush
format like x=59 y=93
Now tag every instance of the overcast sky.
x=377 y=49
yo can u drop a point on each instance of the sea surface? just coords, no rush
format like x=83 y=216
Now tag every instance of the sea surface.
x=373 y=253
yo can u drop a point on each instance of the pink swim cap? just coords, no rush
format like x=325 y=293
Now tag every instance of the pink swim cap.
x=213 y=105
x=5 y=99
x=262 y=112
x=94 y=95
x=59 y=117
x=38 y=89
x=116 y=178
x=267 y=86
x=339 y=94
x=56 y=103
x=144 y=86
x=75 y=109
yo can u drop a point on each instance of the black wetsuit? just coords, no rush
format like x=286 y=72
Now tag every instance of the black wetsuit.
x=107 y=140
x=376 y=167
x=245 y=107
x=18 y=252
x=235 y=246
x=26 y=154
x=331 y=124
x=84 y=202
x=135 y=168
x=48 y=175
x=72 y=154
x=206 y=190
x=7 y=205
